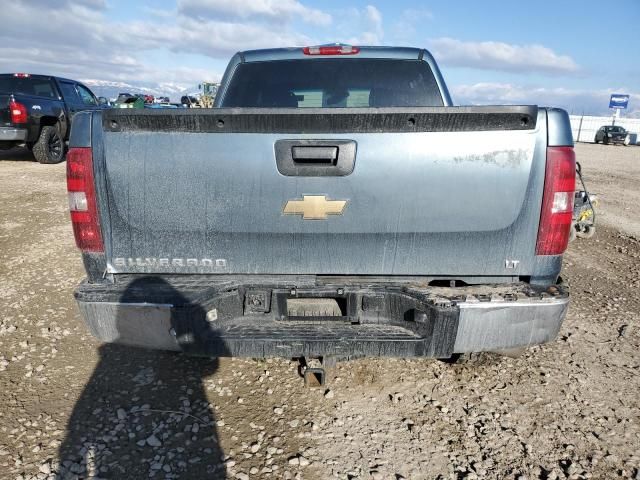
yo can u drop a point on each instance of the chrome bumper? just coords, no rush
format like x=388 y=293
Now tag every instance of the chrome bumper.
x=397 y=321
x=490 y=326
x=10 y=134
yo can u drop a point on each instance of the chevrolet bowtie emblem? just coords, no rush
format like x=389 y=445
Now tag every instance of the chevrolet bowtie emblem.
x=314 y=207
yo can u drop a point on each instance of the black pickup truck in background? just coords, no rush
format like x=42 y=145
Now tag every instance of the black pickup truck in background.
x=36 y=112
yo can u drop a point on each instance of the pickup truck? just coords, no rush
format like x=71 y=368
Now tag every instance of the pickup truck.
x=36 y=112
x=333 y=204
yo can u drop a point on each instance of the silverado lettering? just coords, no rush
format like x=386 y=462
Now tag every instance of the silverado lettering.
x=165 y=262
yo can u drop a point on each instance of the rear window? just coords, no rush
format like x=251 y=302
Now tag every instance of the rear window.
x=41 y=87
x=333 y=83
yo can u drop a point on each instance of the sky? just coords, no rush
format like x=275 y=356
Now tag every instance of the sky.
x=569 y=54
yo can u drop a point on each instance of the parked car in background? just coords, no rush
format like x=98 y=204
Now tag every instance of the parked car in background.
x=133 y=101
x=189 y=101
x=105 y=102
x=160 y=105
x=36 y=111
x=611 y=134
x=123 y=97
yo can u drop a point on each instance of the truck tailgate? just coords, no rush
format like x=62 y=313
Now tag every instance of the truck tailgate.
x=201 y=192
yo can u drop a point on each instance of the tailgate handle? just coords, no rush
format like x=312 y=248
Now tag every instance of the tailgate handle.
x=315 y=158
x=315 y=155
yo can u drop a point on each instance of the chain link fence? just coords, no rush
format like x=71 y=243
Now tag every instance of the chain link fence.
x=584 y=127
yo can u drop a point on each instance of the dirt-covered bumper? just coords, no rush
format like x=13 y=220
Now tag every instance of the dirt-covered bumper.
x=253 y=317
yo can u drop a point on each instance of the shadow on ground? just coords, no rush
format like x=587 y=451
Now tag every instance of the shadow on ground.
x=144 y=414
x=17 y=155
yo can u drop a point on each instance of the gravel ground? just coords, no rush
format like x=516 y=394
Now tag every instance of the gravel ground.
x=73 y=408
x=613 y=172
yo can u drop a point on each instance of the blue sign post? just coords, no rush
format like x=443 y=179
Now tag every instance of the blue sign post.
x=618 y=100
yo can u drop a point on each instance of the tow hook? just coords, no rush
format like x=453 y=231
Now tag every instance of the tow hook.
x=314 y=377
x=313 y=370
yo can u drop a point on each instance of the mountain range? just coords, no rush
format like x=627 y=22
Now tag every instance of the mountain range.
x=110 y=89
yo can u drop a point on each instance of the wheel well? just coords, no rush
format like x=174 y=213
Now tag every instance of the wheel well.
x=48 y=121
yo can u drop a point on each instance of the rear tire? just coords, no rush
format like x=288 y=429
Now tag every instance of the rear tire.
x=596 y=140
x=50 y=147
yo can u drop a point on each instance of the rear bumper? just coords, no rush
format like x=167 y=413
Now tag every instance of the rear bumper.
x=248 y=317
x=10 y=134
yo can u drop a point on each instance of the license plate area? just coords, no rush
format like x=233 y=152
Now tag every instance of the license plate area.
x=316 y=306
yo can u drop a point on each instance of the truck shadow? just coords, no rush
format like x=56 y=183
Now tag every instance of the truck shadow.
x=17 y=155
x=144 y=413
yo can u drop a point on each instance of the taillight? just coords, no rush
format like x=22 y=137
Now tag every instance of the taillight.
x=82 y=200
x=331 y=50
x=18 y=112
x=557 y=201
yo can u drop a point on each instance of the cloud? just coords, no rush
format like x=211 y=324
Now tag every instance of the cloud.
x=92 y=46
x=405 y=28
x=577 y=101
x=281 y=11
x=374 y=17
x=367 y=21
x=501 y=56
x=210 y=38
x=160 y=13
x=416 y=14
x=57 y=4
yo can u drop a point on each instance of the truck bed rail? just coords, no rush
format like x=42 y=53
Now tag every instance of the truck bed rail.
x=324 y=120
